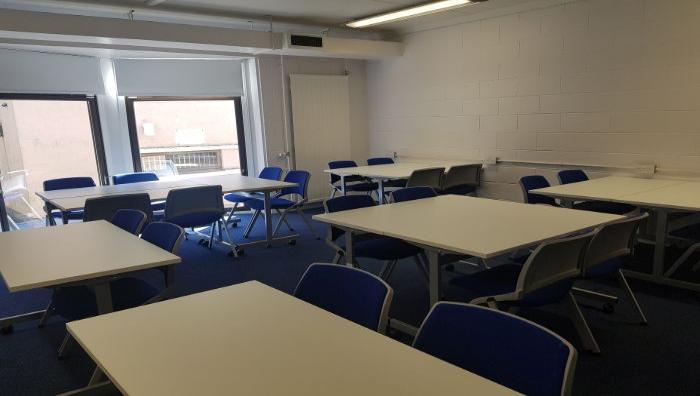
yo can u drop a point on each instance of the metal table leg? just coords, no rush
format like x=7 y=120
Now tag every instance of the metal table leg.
x=660 y=242
x=380 y=190
x=349 y=256
x=434 y=276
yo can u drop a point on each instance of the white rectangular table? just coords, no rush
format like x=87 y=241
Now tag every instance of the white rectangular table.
x=477 y=227
x=659 y=195
x=80 y=253
x=382 y=173
x=74 y=199
x=250 y=339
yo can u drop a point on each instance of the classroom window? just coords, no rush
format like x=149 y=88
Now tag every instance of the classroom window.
x=186 y=135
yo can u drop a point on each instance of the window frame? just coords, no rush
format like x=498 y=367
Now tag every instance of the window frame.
x=133 y=128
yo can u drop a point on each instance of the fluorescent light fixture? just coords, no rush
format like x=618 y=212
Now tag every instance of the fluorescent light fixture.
x=411 y=12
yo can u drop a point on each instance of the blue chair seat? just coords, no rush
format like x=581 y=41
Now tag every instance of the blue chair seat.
x=604 y=269
x=78 y=302
x=502 y=280
x=71 y=214
x=237 y=198
x=275 y=203
x=604 y=207
x=385 y=248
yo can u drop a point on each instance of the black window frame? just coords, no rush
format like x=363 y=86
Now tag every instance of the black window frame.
x=133 y=128
x=95 y=124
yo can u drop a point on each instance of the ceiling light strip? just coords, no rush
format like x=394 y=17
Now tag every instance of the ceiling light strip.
x=411 y=12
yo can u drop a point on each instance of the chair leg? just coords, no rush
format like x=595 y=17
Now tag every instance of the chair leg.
x=212 y=233
x=47 y=314
x=225 y=229
x=230 y=214
x=308 y=223
x=338 y=258
x=285 y=221
x=682 y=259
x=626 y=288
x=65 y=345
x=581 y=325
x=281 y=220
x=251 y=223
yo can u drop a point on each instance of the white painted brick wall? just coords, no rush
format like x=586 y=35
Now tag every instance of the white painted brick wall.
x=610 y=82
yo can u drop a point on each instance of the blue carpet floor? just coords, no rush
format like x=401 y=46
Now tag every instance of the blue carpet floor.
x=661 y=358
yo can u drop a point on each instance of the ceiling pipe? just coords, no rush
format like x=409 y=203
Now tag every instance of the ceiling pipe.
x=152 y=3
x=188 y=18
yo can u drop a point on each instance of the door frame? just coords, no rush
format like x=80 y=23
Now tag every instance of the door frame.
x=95 y=124
x=133 y=129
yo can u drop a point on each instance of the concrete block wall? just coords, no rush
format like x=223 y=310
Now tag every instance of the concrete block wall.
x=608 y=82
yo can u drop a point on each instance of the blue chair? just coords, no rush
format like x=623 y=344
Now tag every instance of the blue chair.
x=129 y=220
x=396 y=183
x=269 y=173
x=389 y=250
x=529 y=183
x=200 y=206
x=139 y=177
x=504 y=348
x=284 y=206
x=79 y=302
x=352 y=183
x=569 y=176
x=413 y=193
x=65 y=184
x=348 y=292
x=547 y=277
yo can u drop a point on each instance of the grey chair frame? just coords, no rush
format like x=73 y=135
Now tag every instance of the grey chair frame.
x=551 y=262
x=217 y=226
x=430 y=177
x=104 y=208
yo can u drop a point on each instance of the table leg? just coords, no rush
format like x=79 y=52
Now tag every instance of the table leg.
x=434 y=276
x=380 y=190
x=268 y=219
x=349 y=257
x=104 y=298
x=660 y=242
x=342 y=184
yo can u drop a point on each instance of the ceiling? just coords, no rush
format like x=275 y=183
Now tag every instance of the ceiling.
x=317 y=12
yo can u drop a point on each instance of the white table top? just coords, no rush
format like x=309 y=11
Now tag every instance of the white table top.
x=663 y=193
x=51 y=256
x=250 y=339
x=72 y=199
x=606 y=188
x=399 y=170
x=474 y=226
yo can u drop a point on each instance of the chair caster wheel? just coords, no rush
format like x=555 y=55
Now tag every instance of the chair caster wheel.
x=201 y=242
x=7 y=330
x=608 y=308
x=293 y=242
x=236 y=252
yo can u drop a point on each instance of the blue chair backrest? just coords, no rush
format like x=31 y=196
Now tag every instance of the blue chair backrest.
x=572 y=176
x=194 y=206
x=504 y=348
x=345 y=202
x=380 y=161
x=68 y=182
x=338 y=165
x=166 y=236
x=354 y=294
x=301 y=178
x=413 y=193
x=129 y=220
x=137 y=177
x=271 y=173
x=528 y=183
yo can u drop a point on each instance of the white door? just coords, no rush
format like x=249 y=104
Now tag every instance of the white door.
x=321 y=126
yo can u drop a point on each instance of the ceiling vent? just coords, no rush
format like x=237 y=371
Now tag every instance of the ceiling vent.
x=304 y=41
